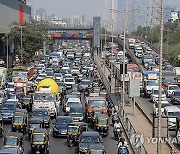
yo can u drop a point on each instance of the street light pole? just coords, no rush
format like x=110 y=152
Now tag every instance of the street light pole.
x=112 y=37
x=7 y=51
x=21 y=46
x=160 y=78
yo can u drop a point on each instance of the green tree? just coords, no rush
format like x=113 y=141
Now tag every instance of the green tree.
x=33 y=36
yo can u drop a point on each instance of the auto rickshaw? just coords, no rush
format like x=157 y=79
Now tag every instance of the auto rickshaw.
x=96 y=149
x=13 y=139
x=74 y=130
x=34 y=123
x=1 y=126
x=27 y=103
x=93 y=117
x=102 y=124
x=40 y=141
x=19 y=121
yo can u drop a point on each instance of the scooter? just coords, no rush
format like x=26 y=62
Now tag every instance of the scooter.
x=114 y=119
x=123 y=150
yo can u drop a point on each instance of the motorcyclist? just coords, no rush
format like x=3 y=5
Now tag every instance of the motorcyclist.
x=122 y=142
x=117 y=130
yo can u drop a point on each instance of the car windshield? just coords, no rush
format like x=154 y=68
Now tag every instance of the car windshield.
x=90 y=139
x=1 y=95
x=8 y=106
x=69 y=80
x=156 y=92
x=102 y=121
x=72 y=103
x=18 y=119
x=10 y=86
x=152 y=83
x=148 y=57
x=177 y=93
x=96 y=152
x=85 y=82
x=60 y=83
x=173 y=88
x=50 y=73
x=168 y=80
x=163 y=105
x=176 y=114
x=11 y=96
x=38 y=137
x=75 y=110
x=95 y=103
x=73 y=129
x=10 y=141
x=63 y=121
x=44 y=96
x=40 y=113
x=37 y=125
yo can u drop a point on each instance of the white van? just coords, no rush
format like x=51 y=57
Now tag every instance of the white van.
x=172 y=112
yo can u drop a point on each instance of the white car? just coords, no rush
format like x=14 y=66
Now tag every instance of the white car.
x=75 y=70
x=10 y=87
x=172 y=112
x=58 y=77
x=163 y=105
x=69 y=82
x=70 y=102
x=171 y=89
x=155 y=95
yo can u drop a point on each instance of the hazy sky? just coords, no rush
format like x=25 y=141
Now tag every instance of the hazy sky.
x=67 y=8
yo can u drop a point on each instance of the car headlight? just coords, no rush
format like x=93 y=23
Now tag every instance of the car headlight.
x=82 y=149
x=42 y=146
x=33 y=145
x=55 y=129
x=97 y=127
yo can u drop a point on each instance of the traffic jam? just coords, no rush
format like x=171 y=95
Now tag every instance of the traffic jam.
x=59 y=96
x=146 y=69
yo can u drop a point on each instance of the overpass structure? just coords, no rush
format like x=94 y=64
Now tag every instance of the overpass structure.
x=80 y=32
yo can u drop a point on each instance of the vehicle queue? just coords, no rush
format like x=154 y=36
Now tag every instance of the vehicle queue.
x=66 y=92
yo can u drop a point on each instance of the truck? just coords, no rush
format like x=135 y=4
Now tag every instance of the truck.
x=20 y=87
x=150 y=81
x=25 y=73
x=177 y=71
x=46 y=96
x=131 y=43
x=3 y=75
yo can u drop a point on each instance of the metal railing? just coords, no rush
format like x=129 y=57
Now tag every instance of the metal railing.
x=131 y=134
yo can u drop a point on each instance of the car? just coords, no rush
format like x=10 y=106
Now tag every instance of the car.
x=42 y=113
x=71 y=101
x=75 y=70
x=163 y=105
x=88 y=138
x=58 y=76
x=171 y=89
x=155 y=95
x=10 y=87
x=76 y=112
x=7 y=109
x=175 y=99
x=12 y=150
x=96 y=149
x=60 y=126
x=69 y=82
x=172 y=112
x=84 y=85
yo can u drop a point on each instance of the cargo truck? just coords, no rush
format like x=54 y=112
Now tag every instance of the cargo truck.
x=131 y=43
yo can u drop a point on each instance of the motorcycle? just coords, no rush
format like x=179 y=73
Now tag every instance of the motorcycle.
x=71 y=140
x=123 y=150
x=117 y=133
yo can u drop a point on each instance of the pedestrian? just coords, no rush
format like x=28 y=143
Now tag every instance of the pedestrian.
x=109 y=77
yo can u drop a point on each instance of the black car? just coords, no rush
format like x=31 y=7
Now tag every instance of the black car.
x=175 y=99
x=88 y=138
x=42 y=113
x=61 y=124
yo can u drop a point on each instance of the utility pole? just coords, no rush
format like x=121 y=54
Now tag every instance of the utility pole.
x=112 y=43
x=21 y=46
x=160 y=78
x=7 y=51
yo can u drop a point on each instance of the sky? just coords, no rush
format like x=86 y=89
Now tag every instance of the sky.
x=67 y=8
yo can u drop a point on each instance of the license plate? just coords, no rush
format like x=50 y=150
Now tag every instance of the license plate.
x=63 y=133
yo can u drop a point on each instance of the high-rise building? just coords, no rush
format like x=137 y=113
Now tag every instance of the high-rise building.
x=83 y=20
x=76 y=20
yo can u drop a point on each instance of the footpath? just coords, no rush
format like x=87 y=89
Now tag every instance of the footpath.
x=138 y=121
